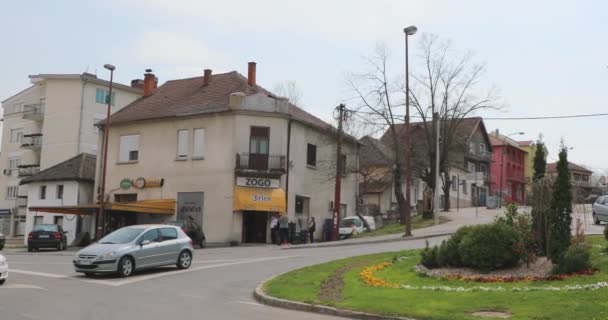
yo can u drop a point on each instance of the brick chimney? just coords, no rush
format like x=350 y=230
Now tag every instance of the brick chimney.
x=251 y=74
x=207 y=77
x=150 y=82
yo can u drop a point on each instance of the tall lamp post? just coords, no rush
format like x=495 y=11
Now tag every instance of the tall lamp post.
x=106 y=131
x=411 y=30
x=502 y=162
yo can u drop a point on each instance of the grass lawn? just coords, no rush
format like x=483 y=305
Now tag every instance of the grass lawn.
x=417 y=223
x=305 y=284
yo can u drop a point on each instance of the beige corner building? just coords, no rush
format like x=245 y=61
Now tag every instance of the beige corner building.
x=45 y=124
x=224 y=151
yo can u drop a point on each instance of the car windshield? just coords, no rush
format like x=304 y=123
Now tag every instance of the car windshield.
x=179 y=223
x=124 y=235
x=349 y=223
x=46 y=227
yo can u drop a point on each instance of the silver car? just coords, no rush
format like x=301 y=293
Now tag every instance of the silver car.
x=600 y=210
x=134 y=248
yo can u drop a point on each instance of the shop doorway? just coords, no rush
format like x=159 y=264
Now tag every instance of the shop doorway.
x=255 y=226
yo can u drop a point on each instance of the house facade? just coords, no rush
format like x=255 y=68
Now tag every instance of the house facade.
x=508 y=169
x=45 y=124
x=580 y=177
x=227 y=153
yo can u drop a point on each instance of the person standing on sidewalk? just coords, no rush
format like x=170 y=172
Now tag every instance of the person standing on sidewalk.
x=283 y=228
x=274 y=229
x=312 y=227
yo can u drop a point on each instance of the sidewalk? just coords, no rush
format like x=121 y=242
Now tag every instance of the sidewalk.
x=463 y=217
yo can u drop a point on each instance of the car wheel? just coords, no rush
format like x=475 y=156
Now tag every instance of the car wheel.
x=60 y=246
x=595 y=219
x=2 y=281
x=203 y=243
x=125 y=266
x=185 y=260
x=30 y=249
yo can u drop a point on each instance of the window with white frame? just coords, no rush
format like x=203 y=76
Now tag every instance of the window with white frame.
x=101 y=96
x=454 y=183
x=198 y=151
x=11 y=192
x=42 y=193
x=16 y=134
x=482 y=148
x=14 y=162
x=182 y=144
x=129 y=148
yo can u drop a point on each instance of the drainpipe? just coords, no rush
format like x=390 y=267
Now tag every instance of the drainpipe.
x=84 y=83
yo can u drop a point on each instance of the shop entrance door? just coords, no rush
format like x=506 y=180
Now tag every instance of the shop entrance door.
x=255 y=226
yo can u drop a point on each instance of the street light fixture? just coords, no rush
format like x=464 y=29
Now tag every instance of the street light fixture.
x=102 y=192
x=411 y=30
x=502 y=163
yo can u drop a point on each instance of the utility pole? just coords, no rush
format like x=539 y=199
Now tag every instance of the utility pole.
x=411 y=30
x=340 y=115
x=101 y=218
x=437 y=158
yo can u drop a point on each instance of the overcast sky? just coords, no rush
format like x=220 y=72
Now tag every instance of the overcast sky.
x=547 y=57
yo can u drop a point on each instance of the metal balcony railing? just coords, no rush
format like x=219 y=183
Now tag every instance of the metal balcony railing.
x=483 y=156
x=28 y=170
x=33 y=111
x=31 y=141
x=260 y=162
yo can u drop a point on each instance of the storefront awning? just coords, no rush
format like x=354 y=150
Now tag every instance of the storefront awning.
x=160 y=206
x=259 y=199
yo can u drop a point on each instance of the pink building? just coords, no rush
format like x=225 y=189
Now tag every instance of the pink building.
x=507 y=169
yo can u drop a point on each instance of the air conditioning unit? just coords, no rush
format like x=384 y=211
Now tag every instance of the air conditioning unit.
x=7 y=172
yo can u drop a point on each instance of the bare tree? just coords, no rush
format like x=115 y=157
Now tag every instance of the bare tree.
x=290 y=90
x=449 y=85
x=378 y=97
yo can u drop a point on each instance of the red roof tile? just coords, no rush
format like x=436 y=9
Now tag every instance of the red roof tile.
x=552 y=167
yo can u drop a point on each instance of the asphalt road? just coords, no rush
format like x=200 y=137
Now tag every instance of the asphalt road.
x=219 y=285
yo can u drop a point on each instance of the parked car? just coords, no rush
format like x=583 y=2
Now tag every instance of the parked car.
x=600 y=210
x=135 y=248
x=2 y=241
x=47 y=236
x=192 y=229
x=591 y=198
x=3 y=269
x=350 y=226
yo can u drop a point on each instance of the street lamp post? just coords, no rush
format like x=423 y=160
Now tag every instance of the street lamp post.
x=502 y=163
x=102 y=192
x=411 y=30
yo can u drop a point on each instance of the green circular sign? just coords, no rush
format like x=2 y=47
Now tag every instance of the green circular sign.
x=125 y=184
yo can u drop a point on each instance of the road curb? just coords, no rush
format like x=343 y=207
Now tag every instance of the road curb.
x=263 y=298
x=343 y=244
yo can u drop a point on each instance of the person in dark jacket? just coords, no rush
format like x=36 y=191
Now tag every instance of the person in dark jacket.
x=283 y=227
x=312 y=227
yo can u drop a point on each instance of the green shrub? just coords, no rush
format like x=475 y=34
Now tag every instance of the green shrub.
x=490 y=247
x=575 y=259
x=448 y=254
x=428 y=257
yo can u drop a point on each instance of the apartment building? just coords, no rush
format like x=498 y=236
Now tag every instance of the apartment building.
x=222 y=150
x=46 y=124
x=580 y=177
x=508 y=169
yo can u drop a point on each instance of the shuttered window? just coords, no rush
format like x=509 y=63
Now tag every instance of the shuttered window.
x=129 y=148
x=182 y=144
x=199 y=144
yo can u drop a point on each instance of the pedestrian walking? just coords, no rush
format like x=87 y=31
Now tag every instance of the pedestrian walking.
x=283 y=228
x=312 y=227
x=274 y=229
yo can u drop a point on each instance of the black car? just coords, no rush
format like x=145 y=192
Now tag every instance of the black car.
x=47 y=236
x=192 y=229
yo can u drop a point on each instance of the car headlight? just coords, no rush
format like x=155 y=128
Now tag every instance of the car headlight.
x=107 y=256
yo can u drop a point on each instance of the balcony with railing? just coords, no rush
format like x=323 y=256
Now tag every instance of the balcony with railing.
x=269 y=164
x=32 y=141
x=34 y=111
x=479 y=156
x=27 y=170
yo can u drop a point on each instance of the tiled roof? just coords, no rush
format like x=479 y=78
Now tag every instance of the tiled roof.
x=374 y=152
x=78 y=168
x=189 y=96
x=552 y=167
x=498 y=139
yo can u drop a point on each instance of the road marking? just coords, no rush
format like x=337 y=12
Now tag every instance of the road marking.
x=20 y=286
x=172 y=273
x=40 y=274
x=250 y=303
